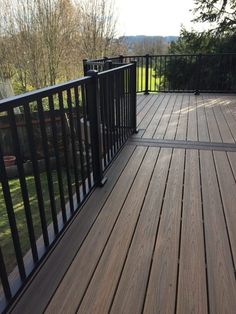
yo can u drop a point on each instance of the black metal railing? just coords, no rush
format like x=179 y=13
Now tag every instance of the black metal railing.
x=182 y=73
x=72 y=132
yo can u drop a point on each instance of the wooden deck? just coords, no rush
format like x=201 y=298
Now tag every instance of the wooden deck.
x=160 y=236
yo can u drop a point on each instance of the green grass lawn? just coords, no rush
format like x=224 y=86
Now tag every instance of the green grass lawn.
x=153 y=82
x=5 y=235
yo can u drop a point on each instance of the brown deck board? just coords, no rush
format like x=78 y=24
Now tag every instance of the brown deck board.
x=99 y=294
x=220 y=270
x=211 y=121
x=144 y=102
x=160 y=236
x=161 y=129
x=149 y=106
x=148 y=117
x=181 y=132
x=192 y=288
x=47 y=279
x=161 y=291
x=174 y=119
x=222 y=124
x=203 y=133
x=131 y=291
x=228 y=188
x=223 y=104
x=192 y=133
x=74 y=284
x=149 y=132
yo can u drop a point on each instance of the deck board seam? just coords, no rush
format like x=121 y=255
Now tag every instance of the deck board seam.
x=109 y=236
x=177 y=124
x=154 y=113
x=157 y=232
x=204 y=234
x=224 y=214
x=155 y=103
x=135 y=228
x=170 y=117
x=180 y=234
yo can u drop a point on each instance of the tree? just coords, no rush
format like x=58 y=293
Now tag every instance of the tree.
x=97 y=28
x=222 y=13
x=150 y=45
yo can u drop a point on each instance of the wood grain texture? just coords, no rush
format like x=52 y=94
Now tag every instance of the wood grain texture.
x=161 y=129
x=149 y=106
x=192 y=133
x=203 y=134
x=222 y=123
x=75 y=281
x=221 y=278
x=228 y=192
x=100 y=292
x=150 y=114
x=131 y=291
x=174 y=119
x=211 y=121
x=161 y=291
x=156 y=118
x=181 y=132
x=192 y=288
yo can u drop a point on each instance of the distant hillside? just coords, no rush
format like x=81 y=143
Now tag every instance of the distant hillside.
x=141 y=44
x=140 y=38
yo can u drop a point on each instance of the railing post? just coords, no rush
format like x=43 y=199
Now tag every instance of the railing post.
x=134 y=97
x=147 y=75
x=121 y=58
x=85 y=66
x=198 y=63
x=95 y=128
x=107 y=65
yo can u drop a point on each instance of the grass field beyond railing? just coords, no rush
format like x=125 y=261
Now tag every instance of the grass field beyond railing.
x=5 y=235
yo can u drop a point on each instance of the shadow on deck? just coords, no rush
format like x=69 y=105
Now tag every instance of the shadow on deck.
x=160 y=236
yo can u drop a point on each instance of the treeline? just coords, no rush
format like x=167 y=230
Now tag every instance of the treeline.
x=43 y=42
x=216 y=71
x=153 y=45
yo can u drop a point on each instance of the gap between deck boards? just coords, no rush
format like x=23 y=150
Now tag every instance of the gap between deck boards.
x=182 y=144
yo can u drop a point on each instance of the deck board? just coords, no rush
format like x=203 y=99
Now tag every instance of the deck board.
x=160 y=236
x=220 y=269
x=99 y=294
x=161 y=290
x=82 y=268
x=131 y=290
x=192 y=288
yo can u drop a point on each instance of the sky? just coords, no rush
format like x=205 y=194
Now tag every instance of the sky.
x=154 y=17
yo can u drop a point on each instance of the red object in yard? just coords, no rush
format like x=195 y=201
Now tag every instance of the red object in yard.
x=9 y=160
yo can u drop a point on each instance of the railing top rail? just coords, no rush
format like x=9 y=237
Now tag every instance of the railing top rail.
x=40 y=93
x=118 y=69
x=162 y=55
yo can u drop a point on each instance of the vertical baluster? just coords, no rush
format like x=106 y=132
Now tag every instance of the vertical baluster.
x=85 y=120
x=79 y=136
x=33 y=153
x=57 y=155
x=47 y=164
x=95 y=129
x=66 y=149
x=24 y=190
x=73 y=144
x=118 y=107
x=160 y=87
x=4 y=277
x=11 y=217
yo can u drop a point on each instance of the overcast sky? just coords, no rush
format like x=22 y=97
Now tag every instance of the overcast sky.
x=153 y=17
